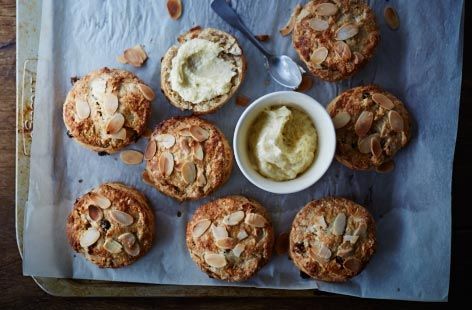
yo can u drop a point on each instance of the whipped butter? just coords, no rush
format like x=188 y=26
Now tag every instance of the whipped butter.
x=198 y=73
x=282 y=143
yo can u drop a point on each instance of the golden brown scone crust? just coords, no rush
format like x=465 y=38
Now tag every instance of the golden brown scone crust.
x=211 y=172
x=355 y=101
x=91 y=132
x=258 y=243
x=337 y=65
x=124 y=199
x=232 y=53
x=343 y=259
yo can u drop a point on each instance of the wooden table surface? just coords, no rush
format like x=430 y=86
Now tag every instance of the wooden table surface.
x=17 y=291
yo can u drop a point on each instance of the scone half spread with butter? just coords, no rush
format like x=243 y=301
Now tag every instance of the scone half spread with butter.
x=112 y=225
x=187 y=158
x=203 y=71
x=107 y=109
x=335 y=38
x=230 y=238
x=332 y=239
x=372 y=125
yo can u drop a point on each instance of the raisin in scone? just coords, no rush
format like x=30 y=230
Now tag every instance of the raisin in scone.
x=107 y=109
x=335 y=38
x=112 y=225
x=203 y=71
x=332 y=239
x=230 y=238
x=372 y=125
x=187 y=158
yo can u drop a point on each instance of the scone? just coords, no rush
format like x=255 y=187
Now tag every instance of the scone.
x=107 y=109
x=332 y=239
x=335 y=38
x=230 y=238
x=203 y=71
x=372 y=125
x=187 y=158
x=112 y=225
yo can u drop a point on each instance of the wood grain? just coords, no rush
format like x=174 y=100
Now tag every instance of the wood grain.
x=18 y=292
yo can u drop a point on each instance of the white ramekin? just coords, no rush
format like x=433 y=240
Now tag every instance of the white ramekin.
x=325 y=149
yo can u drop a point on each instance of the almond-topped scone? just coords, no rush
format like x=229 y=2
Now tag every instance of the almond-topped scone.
x=112 y=225
x=187 y=158
x=332 y=239
x=372 y=125
x=230 y=238
x=203 y=71
x=107 y=109
x=335 y=38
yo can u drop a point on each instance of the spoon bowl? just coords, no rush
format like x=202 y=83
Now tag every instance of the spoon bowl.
x=285 y=71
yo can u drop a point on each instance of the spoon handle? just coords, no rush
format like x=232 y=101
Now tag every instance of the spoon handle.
x=226 y=12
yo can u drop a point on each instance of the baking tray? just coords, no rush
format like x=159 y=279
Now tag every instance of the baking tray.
x=28 y=14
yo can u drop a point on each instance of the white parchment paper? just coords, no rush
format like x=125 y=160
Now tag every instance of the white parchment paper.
x=420 y=63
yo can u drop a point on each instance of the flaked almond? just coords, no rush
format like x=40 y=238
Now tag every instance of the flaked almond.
x=346 y=31
x=131 y=157
x=89 y=237
x=197 y=151
x=238 y=249
x=281 y=243
x=215 y=260
x=135 y=55
x=219 y=232
x=120 y=135
x=110 y=103
x=303 y=13
x=364 y=123
x=95 y=213
x=255 y=220
x=133 y=250
x=391 y=17
x=404 y=139
x=189 y=172
x=151 y=150
x=306 y=83
x=226 y=243
x=115 y=123
x=320 y=222
x=360 y=230
x=184 y=146
x=319 y=55
x=146 y=179
x=174 y=7
x=82 y=109
x=122 y=218
x=326 y=9
x=262 y=37
x=344 y=249
x=99 y=200
x=201 y=180
x=353 y=264
x=383 y=101
x=242 y=234
x=121 y=59
x=198 y=133
x=242 y=100
x=127 y=239
x=200 y=228
x=318 y=24
x=287 y=29
x=324 y=252
x=351 y=239
x=166 y=164
x=184 y=132
x=364 y=143
x=112 y=246
x=234 y=218
x=375 y=147
x=358 y=58
x=343 y=50
x=386 y=167
x=147 y=92
x=395 y=120
x=341 y=119
x=165 y=140
x=339 y=224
